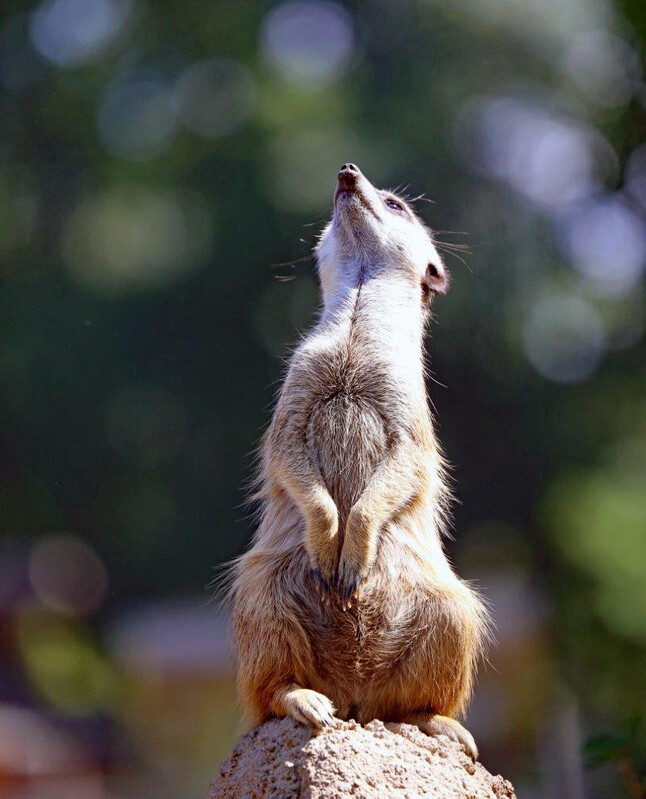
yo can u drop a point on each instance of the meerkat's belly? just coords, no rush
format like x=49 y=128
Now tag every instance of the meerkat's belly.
x=347 y=439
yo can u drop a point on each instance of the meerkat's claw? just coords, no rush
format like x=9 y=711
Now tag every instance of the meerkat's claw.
x=443 y=725
x=322 y=585
x=309 y=707
x=351 y=589
x=348 y=590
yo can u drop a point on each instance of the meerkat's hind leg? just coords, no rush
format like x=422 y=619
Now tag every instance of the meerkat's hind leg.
x=309 y=707
x=433 y=724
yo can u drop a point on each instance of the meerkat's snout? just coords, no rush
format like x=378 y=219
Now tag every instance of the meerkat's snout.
x=349 y=174
x=347 y=180
x=355 y=196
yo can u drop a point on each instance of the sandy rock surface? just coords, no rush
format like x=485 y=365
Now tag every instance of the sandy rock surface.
x=283 y=760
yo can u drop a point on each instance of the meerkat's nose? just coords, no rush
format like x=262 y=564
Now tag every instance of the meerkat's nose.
x=348 y=178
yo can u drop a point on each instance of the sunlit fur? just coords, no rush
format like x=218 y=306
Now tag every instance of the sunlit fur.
x=346 y=602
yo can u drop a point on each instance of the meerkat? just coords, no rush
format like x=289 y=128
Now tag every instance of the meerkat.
x=346 y=606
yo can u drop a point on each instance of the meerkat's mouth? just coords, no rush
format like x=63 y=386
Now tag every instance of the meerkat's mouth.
x=340 y=191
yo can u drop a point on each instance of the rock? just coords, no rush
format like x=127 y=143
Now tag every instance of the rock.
x=285 y=760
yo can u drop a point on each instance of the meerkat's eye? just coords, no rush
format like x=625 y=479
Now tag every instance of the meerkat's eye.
x=394 y=204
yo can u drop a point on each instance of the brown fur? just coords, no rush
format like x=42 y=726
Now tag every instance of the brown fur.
x=346 y=603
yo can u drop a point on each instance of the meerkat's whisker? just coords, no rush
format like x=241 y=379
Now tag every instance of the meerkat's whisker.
x=422 y=198
x=455 y=255
x=292 y=262
x=451 y=245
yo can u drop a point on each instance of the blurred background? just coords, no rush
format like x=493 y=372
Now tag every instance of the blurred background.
x=164 y=171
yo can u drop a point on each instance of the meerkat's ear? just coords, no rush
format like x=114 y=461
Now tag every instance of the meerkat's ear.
x=435 y=280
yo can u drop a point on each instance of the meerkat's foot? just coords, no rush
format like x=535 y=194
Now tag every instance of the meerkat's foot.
x=443 y=725
x=308 y=707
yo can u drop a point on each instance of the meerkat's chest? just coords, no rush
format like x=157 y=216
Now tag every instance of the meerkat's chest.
x=347 y=436
x=357 y=401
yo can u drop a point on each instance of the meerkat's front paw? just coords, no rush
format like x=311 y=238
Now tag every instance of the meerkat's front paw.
x=323 y=571
x=309 y=707
x=322 y=542
x=357 y=556
x=323 y=563
x=349 y=576
x=443 y=725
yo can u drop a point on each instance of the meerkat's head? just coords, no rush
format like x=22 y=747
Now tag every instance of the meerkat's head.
x=376 y=230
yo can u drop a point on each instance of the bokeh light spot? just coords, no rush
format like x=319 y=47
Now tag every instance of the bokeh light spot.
x=67 y=575
x=63 y=664
x=603 y=67
x=308 y=43
x=606 y=241
x=133 y=238
x=551 y=160
x=70 y=33
x=31 y=745
x=564 y=338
